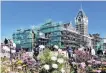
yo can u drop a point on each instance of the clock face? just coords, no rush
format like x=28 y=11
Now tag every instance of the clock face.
x=79 y=19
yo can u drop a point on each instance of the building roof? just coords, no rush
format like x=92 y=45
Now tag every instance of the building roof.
x=81 y=13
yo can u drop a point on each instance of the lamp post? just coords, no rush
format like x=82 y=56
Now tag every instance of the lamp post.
x=10 y=46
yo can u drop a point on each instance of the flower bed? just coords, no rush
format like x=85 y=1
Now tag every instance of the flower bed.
x=52 y=62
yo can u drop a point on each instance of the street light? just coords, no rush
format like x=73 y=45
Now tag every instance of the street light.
x=12 y=46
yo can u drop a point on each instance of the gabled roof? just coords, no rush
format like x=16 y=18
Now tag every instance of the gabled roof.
x=81 y=13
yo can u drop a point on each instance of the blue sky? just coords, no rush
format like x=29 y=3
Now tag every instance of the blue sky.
x=24 y=14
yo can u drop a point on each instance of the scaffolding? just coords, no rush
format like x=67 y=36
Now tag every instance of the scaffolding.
x=24 y=39
x=61 y=34
x=50 y=33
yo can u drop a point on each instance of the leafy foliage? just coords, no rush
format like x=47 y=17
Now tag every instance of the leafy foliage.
x=45 y=57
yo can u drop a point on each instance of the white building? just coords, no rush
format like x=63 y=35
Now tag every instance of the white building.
x=104 y=43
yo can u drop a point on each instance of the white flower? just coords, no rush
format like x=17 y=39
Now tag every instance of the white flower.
x=62 y=70
x=13 y=72
x=19 y=67
x=8 y=69
x=89 y=65
x=59 y=50
x=55 y=66
x=55 y=54
x=13 y=60
x=60 y=60
x=73 y=63
x=46 y=67
x=54 y=58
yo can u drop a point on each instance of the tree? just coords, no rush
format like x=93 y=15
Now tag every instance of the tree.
x=5 y=41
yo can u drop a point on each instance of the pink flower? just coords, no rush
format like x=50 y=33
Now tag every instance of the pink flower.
x=98 y=71
x=29 y=62
x=98 y=62
x=89 y=61
x=83 y=65
x=104 y=63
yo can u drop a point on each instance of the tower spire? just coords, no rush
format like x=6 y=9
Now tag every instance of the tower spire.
x=81 y=6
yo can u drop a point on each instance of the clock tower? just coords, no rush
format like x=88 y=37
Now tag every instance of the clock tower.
x=81 y=21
